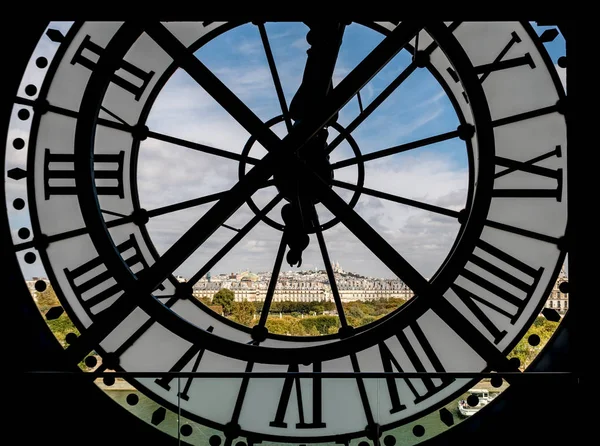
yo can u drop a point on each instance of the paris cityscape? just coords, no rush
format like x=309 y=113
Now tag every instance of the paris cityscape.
x=310 y=286
x=314 y=286
x=302 y=286
x=303 y=303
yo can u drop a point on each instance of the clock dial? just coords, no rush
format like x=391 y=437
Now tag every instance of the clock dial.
x=90 y=227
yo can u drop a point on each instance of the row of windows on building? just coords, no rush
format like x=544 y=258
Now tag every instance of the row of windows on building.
x=311 y=295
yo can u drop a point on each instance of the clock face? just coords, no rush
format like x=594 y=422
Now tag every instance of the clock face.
x=90 y=136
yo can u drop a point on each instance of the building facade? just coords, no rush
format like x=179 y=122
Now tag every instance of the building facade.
x=557 y=299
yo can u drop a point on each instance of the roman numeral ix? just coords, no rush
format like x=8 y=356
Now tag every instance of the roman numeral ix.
x=108 y=181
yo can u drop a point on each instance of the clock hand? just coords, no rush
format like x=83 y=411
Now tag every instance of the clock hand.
x=325 y=39
x=294 y=233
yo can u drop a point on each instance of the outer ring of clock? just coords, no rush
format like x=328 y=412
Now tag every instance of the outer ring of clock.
x=554 y=76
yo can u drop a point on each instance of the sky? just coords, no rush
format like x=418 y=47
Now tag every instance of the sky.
x=419 y=108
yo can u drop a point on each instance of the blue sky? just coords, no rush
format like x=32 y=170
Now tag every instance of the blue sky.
x=419 y=108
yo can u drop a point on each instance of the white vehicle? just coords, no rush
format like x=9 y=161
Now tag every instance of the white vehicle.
x=483 y=395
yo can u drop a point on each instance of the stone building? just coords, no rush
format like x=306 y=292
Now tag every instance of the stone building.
x=557 y=299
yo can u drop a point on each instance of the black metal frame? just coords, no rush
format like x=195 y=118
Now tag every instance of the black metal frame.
x=433 y=291
x=572 y=205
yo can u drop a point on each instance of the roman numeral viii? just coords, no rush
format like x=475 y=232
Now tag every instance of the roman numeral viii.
x=60 y=180
x=489 y=287
x=141 y=77
x=418 y=356
x=92 y=289
x=317 y=401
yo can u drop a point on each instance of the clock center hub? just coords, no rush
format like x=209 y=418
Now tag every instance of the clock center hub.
x=293 y=183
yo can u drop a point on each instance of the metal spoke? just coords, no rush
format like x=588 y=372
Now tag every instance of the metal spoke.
x=113 y=213
x=230 y=227
x=125 y=127
x=334 y=289
x=364 y=114
x=369 y=237
x=235 y=240
x=52 y=238
x=360 y=105
x=396 y=149
x=397 y=199
x=202 y=147
x=523 y=232
x=118 y=118
x=194 y=202
x=75 y=115
x=211 y=84
x=186 y=204
x=273 y=282
x=373 y=106
x=275 y=76
x=129 y=218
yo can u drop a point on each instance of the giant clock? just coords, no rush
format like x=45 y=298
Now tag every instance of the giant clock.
x=86 y=119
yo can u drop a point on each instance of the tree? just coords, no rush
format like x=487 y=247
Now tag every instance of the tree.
x=60 y=326
x=47 y=299
x=206 y=300
x=356 y=309
x=243 y=312
x=526 y=352
x=225 y=298
x=321 y=324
